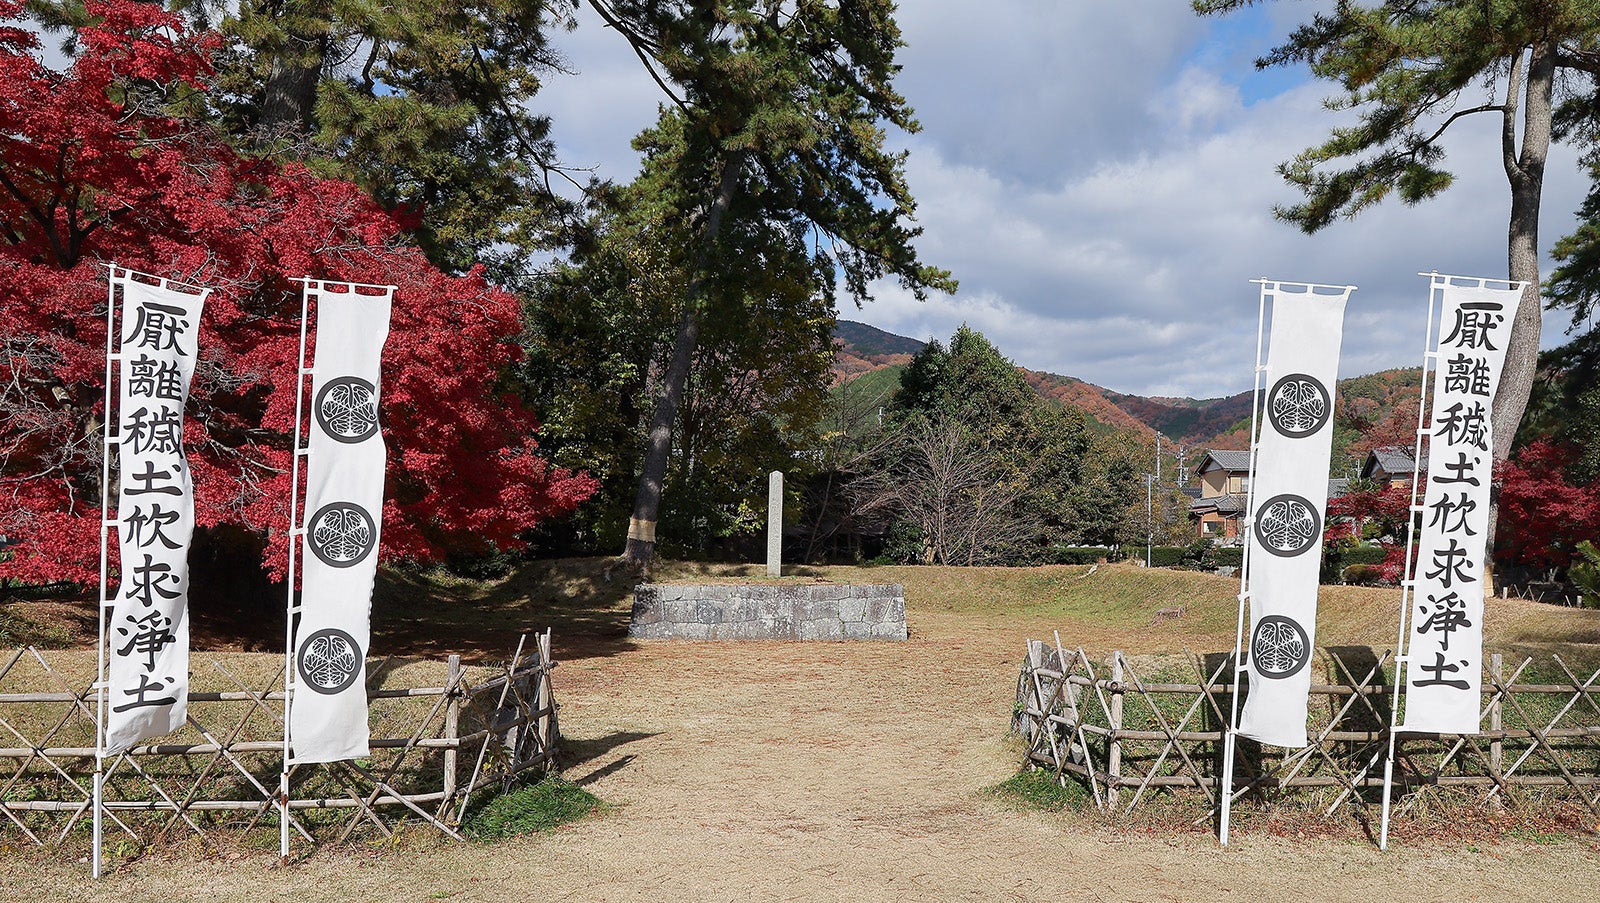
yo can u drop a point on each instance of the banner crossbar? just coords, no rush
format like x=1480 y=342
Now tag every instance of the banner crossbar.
x=152 y=279
x=1280 y=285
x=1441 y=279
x=322 y=285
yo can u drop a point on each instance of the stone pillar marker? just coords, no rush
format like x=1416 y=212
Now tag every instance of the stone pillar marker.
x=775 y=524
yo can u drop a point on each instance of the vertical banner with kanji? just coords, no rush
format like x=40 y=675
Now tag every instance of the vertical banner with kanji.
x=147 y=636
x=1444 y=660
x=1288 y=497
x=342 y=521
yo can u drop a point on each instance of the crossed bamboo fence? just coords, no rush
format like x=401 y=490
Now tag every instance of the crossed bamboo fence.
x=1130 y=732
x=440 y=733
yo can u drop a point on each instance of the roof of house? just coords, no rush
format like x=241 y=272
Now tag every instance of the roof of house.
x=1238 y=502
x=1390 y=460
x=1227 y=459
x=1233 y=503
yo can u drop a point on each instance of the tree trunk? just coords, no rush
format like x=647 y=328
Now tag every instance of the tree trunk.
x=641 y=546
x=291 y=88
x=1525 y=172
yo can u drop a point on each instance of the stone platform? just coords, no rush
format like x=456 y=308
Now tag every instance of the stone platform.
x=663 y=611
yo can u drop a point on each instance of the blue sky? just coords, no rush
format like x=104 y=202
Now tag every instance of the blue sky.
x=1100 y=178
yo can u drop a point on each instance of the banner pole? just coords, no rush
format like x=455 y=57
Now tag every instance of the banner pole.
x=100 y=679
x=295 y=531
x=1230 y=740
x=1430 y=369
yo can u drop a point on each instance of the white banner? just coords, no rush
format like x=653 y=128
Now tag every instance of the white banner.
x=342 y=524
x=148 y=639
x=1445 y=657
x=1288 y=497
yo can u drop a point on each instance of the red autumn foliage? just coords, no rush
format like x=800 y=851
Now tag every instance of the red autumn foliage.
x=99 y=163
x=1363 y=506
x=1369 y=506
x=1543 y=516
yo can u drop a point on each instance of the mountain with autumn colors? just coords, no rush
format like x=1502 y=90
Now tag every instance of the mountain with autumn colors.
x=1375 y=409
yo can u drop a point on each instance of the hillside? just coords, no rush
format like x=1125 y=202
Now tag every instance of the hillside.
x=1374 y=409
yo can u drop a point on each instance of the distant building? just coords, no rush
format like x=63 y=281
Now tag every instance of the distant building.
x=1224 y=476
x=1390 y=466
x=1224 y=495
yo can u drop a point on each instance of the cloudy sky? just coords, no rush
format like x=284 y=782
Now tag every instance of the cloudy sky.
x=1100 y=178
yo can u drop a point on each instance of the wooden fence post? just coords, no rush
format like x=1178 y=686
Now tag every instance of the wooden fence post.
x=1497 y=746
x=546 y=726
x=452 y=728
x=1114 y=754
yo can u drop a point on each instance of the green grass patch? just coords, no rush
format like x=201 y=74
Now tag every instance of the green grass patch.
x=1038 y=789
x=18 y=629
x=531 y=809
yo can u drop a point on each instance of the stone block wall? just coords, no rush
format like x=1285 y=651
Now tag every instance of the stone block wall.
x=790 y=612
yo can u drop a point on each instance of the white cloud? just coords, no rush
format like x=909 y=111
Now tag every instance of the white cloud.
x=1101 y=177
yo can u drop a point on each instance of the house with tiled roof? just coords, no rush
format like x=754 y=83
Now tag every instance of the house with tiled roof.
x=1390 y=466
x=1224 y=476
x=1224 y=494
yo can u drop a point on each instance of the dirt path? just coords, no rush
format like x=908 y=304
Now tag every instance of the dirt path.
x=823 y=772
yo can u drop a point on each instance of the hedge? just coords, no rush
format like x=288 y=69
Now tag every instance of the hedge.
x=1086 y=554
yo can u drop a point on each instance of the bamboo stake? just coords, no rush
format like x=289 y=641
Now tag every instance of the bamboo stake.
x=472 y=782
x=452 y=730
x=1172 y=740
x=405 y=750
x=1497 y=747
x=1077 y=717
x=1114 y=743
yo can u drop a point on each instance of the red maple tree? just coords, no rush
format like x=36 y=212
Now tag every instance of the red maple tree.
x=1543 y=515
x=112 y=159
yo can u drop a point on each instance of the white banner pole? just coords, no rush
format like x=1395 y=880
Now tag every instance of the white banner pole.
x=1230 y=739
x=1460 y=394
x=1408 y=579
x=345 y=461
x=290 y=608
x=106 y=522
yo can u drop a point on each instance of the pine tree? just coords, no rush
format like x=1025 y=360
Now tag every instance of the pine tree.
x=777 y=125
x=1414 y=70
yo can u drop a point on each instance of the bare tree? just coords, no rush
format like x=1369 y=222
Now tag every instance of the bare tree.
x=961 y=495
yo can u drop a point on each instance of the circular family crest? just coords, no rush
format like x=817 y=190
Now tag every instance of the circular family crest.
x=1287 y=525
x=1279 y=647
x=1298 y=406
x=341 y=534
x=347 y=409
x=330 y=661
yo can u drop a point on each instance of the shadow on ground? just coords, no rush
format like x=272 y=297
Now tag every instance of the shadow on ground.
x=585 y=602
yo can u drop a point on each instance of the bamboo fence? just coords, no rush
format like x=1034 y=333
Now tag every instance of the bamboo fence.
x=1128 y=733
x=440 y=734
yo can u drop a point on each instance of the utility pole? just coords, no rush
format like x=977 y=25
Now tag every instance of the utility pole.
x=1158 y=483
x=1149 y=520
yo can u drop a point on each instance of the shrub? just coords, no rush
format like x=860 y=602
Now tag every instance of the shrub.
x=1086 y=555
x=1362 y=575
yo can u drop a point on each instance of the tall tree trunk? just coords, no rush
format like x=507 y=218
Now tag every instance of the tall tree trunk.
x=641 y=546
x=291 y=87
x=1525 y=172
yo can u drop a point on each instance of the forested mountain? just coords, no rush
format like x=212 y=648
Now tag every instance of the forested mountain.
x=1375 y=409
